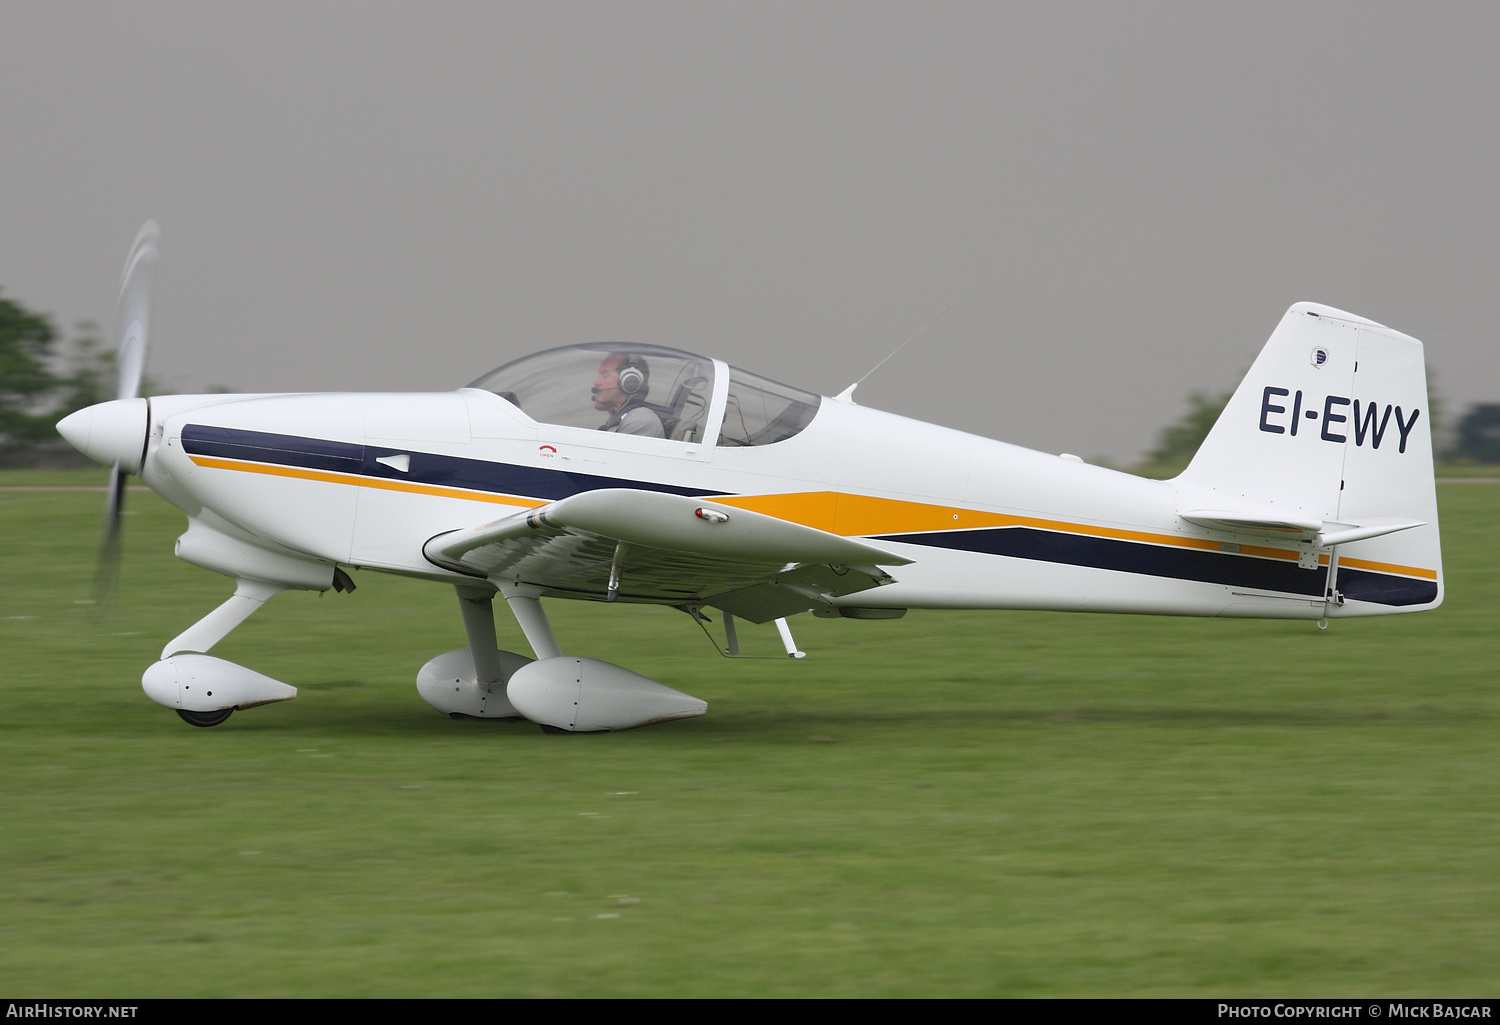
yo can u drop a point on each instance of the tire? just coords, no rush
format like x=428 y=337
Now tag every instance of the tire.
x=204 y=719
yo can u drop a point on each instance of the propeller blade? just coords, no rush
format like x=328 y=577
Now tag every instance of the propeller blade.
x=130 y=362
x=108 y=566
x=135 y=310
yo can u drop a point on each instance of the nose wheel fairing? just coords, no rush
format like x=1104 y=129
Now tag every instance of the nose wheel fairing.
x=203 y=685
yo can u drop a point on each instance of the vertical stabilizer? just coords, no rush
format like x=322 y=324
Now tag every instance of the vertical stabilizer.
x=1326 y=443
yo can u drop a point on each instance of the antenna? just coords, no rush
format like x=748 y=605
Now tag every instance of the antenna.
x=847 y=395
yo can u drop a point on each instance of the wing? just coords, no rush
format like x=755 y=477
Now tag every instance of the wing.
x=647 y=546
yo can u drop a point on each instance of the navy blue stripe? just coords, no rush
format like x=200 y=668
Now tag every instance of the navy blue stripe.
x=425 y=468
x=505 y=478
x=1385 y=589
x=1129 y=557
x=287 y=449
x=1180 y=563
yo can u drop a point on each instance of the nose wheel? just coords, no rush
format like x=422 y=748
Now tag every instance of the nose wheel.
x=204 y=719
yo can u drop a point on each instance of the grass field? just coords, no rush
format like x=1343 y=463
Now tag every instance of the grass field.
x=950 y=804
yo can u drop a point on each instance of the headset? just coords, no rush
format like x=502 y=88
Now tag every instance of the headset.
x=633 y=374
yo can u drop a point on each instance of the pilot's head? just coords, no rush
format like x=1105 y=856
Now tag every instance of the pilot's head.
x=621 y=378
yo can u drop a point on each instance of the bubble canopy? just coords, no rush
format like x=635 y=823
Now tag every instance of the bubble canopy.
x=589 y=386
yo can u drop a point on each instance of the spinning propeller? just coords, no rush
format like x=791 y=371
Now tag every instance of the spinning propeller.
x=104 y=427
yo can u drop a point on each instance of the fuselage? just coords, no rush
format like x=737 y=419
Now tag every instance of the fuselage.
x=365 y=479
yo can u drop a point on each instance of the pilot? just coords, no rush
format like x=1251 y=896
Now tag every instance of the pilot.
x=620 y=390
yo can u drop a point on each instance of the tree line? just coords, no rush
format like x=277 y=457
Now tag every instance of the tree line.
x=44 y=377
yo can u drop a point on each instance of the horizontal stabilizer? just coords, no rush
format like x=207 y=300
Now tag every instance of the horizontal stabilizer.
x=1322 y=533
x=1348 y=533
x=1253 y=522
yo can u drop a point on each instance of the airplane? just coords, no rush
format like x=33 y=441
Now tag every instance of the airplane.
x=636 y=473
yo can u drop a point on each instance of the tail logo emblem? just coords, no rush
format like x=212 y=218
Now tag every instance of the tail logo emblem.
x=1318 y=357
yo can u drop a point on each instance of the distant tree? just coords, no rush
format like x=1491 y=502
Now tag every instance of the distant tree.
x=88 y=373
x=1479 y=434
x=39 y=385
x=27 y=383
x=1179 y=441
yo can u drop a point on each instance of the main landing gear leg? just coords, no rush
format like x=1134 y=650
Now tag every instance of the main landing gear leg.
x=492 y=667
x=478 y=607
x=526 y=603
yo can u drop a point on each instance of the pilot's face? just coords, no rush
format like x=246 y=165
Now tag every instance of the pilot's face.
x=607 y=393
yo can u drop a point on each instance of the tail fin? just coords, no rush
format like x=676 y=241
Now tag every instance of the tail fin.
x=1326 y=443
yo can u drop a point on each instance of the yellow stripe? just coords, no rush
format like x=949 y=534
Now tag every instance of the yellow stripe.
x=866 y=516
x=356 y=480
x=1387 y=567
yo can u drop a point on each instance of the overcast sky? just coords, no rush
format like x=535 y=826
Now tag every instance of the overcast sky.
x=1117 y=200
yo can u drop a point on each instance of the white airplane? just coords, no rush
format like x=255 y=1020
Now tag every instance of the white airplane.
x=634 y=473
